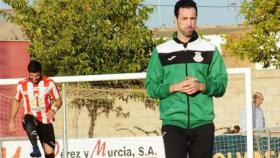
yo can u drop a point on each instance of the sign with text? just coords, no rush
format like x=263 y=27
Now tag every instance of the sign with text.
x=225 y=146
x=126 y=147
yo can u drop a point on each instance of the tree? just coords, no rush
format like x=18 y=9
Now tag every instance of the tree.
x=259 y=44
x=81 y=37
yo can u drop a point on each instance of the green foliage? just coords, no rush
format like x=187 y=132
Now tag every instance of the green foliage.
x=259 y=44
x=81 y=37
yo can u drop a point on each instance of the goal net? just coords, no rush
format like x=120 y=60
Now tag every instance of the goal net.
x=7 y=93
x=115 y=108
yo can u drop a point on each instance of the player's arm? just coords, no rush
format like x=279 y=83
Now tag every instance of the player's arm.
x=57 y=102
x=54 y=108
x=217 y=78
x=154 y=85
x=15 y=108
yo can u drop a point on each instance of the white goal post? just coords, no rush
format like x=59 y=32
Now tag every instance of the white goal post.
x=130 y=76
x=248 y=97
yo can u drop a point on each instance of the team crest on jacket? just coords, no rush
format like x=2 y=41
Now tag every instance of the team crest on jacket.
x=198 y=57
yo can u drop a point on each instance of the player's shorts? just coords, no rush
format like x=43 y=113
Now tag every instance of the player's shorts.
x=44 y=131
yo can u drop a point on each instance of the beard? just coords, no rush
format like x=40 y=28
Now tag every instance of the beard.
x=35 y=81
x=187 y=33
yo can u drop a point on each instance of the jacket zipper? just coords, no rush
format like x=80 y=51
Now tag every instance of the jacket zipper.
x=188 y=97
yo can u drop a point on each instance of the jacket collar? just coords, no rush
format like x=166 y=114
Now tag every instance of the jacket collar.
x=193 y=38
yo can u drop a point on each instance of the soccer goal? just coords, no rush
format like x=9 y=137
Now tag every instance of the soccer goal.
x=111 y=116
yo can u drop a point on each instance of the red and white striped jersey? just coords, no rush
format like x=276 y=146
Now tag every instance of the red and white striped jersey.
x=37 y=98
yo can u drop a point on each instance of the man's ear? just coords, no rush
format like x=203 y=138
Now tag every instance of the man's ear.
x=175 y=20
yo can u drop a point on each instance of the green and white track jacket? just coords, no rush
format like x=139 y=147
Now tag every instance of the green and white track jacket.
x=171 y=62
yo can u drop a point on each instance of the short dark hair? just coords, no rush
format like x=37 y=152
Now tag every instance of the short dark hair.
x=34 y=66
x=184 y=4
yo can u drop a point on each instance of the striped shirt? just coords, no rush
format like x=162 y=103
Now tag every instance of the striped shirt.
x=37 y=98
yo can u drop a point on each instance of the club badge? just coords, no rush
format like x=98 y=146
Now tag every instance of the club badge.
x=198 y=57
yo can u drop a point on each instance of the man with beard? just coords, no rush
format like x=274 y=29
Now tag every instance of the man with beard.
x=41 y=101
x=185 y=73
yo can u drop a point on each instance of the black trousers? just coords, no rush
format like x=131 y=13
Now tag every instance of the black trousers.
x=196 y=142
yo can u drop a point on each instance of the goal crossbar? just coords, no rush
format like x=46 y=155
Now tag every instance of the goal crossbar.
x=130 y=76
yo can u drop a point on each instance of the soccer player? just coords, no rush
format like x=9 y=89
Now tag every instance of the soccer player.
x=41 y=101
x=185 y=73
